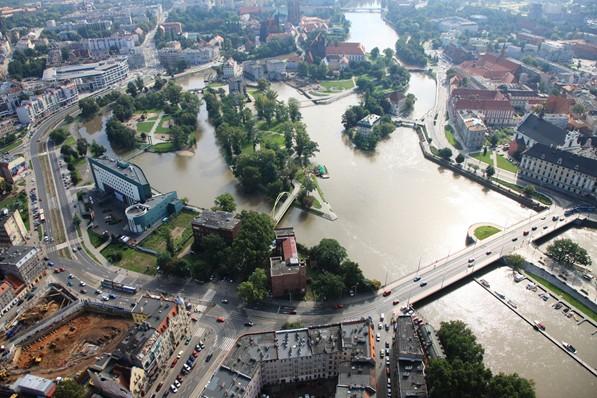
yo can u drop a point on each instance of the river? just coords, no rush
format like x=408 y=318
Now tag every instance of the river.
x=395 y=210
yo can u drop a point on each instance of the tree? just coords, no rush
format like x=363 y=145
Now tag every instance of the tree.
x=82 y=146
x=293 y=110
x=457 y=379
x=374 y=53
x=251 y=248
x=352 y=274
x=304 y=147
x=255 y=288
x=510 y=386
x=97 y=150
x=263 y=85
x=328 y=255
x=131 y=88
x=514 y=261
x=119 y=135
x=69 y=389
x=568 y=253
x=459 y=158
x=529 y=190
x=224 y=202
x=490 y=171
x=493 y=140
x=139 y=83
x=76 y=220
x=59 y=136
x=327 y=285
x=578 y=109
x=445 y=153
x=459 y=342
x=88 y=107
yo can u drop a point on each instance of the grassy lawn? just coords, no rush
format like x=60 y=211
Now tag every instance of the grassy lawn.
x=131 y=259
x=145 y=127
x=269 y=137
x=179 y=228
x=155 y=112
x=337 y=85
x=484 y=158
x=216 y=84
x=160 y=129
x=70 y=141
x=451 y=137
x=505 y=164
x=537 y=196
x=95 y=238
x=18 y=202
x=562 y=294
x=11 y=146
x=163 y=147
x=485 y=231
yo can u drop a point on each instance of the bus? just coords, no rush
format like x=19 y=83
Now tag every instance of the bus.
x=42 y=217
x=108 y=284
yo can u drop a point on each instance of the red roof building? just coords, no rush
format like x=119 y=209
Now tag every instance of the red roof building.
x=491 y=67
x=494 y=107
x=288 y=273
x=352 y=51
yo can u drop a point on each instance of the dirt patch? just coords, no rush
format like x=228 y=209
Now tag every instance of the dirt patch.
x=162 y=137
x=72 y=347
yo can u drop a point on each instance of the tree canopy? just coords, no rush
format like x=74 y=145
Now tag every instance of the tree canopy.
x=252 y=246
x=568 y=253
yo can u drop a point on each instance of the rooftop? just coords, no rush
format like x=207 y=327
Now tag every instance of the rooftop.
x=218 y=219
x=542 y=131
x=33 y=383
x=566 y=159
x=411 y=375
x=293 y=343
x=368 y=121
x=226 y=383
x=345 y=48
x=17 y=255
x=250 y=350
x=156 y=309
x=70 y=72
x=129 y=170
x=431 y=342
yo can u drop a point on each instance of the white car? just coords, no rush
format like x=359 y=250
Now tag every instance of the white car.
x=377 y=337
x=173 y=389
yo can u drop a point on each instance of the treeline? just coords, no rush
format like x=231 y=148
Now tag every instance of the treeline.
x=411 y=51
x=463 y=374
x=26 y=64
x=27 y=20
x=271 y=168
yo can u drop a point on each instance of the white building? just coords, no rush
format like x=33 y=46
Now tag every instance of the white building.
x=49 y=102
x=457 y=24
x=560 y=170
x=231 y=69
x=90 y=77
x=125 y=181
x=470 y=129
x=276 y=69
x=102 y=45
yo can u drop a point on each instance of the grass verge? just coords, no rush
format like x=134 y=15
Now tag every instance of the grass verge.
x=145 y=127
x=163 y=147
x=95 y=238
x=337 y=85
x=537 y=195
x=449 y=133
x=505 y=164
x=562 y=294
x=483 y=158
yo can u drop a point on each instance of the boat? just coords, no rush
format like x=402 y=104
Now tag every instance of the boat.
x=569 y=347
x=500 y=295
x=512 y=304
x=484 y=283
x=538 y=325
x=321 y=171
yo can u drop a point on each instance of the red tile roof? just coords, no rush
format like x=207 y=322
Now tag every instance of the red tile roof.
x=345 y=48
x=4 y=286
x=489 y=105
x=289 y=248
x=15 y=282
x=557 y=104
x=492 y=67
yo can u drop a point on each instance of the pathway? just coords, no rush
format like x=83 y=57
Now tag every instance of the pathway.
x=151 y=133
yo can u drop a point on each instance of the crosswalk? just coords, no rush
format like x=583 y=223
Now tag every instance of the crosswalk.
x=209 y=295
x=227 y=343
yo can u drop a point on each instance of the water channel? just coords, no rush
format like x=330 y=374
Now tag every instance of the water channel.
x=395 y=210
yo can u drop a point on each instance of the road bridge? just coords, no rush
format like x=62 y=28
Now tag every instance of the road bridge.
x=406 y=122
x=290 y=197
x=444 y=272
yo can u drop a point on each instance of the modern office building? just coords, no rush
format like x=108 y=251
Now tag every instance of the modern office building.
x=222 y=223
x=560 y=169
x=345 y=351
x=288 y=273
x=12 y=228
x=142 y=216
x=90 y=77
x=24 y=262
x=126 y=181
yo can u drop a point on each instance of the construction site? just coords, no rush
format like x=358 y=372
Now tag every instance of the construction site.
x=61 y=337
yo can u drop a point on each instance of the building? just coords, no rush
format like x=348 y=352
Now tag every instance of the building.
x=276 y=69
x=354 y=52
x=52 y=100
x=171 y=57
x=294 y=12
x=101 y=46
x=343 y=351
x=24 y=262
x=174 y=27
x=31 y=385
x=493 y=107
x=254 y=70
x=457 y=24
x=90 y=77
x=142 y=216
x=470 y=129
x=12 y=228
x=521 y=95
x=430 y=342
x=7 y=295
x=237 y=86
x=560 y=170
x=407 y=366
x=218 y=222
x=556 y=51
x=366 y=124
x=490 y=70
x=231 y=69
x=11 y=167
x=126 y=181
x=533 y=129
x=288 y=273
x=161 y=324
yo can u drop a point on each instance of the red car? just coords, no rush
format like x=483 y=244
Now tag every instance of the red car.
x=395 y=302
x=339 y=306
x=220 y=319
x=173 y=364
x=386 y=293
x=292 y=312
x=195 y=354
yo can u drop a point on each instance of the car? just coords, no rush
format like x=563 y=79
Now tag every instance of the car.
x=545 y=227
x=395 y=302
x=208 y=357
x=187 y=341
x=561 y=218
x=173 y=364
x=179 y=354
x=377 y=337
x=224 y=301
x=386 y=293
x=554 y=218
x=173 y=389
x=70 y=276
x=351 y=293
x=534 y=229
x=69 y=283
x=387 y=351
x=195 y=354
x=471 y=265
x=83 y=291
x=97 y=291
x=488 y=252
x=105 y=298
x=292 y=312
x=50 y=264
x=381 y=353
x=417 y=278
x=387 y=344
x=186 y=367
x=179 y=377
x=339 y=306
x=83 y=284
x=525 y=233
x=471 y=260
x=198 y=347
x=380 y=325
x=423 y=284
x=220 y=319
x=249 y=324
x=61 y=269
x=112 y=296
x=386 y=326
x=514 y=239
x=56 y=271
x=543 y=218
x=177 y=383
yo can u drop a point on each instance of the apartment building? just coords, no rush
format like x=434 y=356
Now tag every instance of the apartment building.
x=11 y=167
x=470 y=129
x=407 y=365
x=12 y=228
x=92 y=76
x=222 y=223
x=288 y=273
x=345 y=351
x=126 y=181
x=560 y=169
x=24 y=262
x=101 y=46
x=231 y=69
x=52 y=100
x=492 y=106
